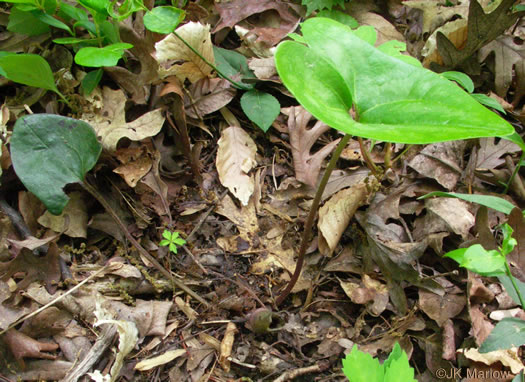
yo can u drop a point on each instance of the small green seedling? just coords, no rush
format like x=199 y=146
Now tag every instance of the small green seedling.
x=361 y=367
x=172 y=240
x=509 y=332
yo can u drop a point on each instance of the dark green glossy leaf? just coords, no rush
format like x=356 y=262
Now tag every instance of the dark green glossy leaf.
x=163 y=19
x=50 y=151
x=99 y=57
x=50 y=20
x=232 y=64
x=25 y=23
x=509 y=288
x=394 y=101
x=28 y=69
x=91 y=80
x=262 y=108
x=509 y=332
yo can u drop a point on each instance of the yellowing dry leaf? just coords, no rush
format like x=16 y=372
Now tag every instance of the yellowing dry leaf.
x=74 y=218
x=335 y=215
x=110 y=122
x=508 y=357
x=162 y=359
x=235 y=158
x=172 y=48
x=227 y=345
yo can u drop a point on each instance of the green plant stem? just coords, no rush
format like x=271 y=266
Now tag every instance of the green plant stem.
x=94 y=192
x=310 y=220
x=516 y=289
x=366 y=156
x=236 y=84
x=65 y=100
x=401 y=154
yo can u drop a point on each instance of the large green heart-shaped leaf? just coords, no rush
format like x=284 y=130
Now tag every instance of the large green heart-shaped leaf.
x=50 y=151
x=393 y=100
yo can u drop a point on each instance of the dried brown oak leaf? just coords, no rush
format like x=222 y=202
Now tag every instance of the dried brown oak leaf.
x=510 y=63
x=207 y=96
x=307 y=166
x=235 y=159
x=232 y=12
x=171 y=50
x=482 y=29
x=490 y=153
x=45 y=269
x=23 y=346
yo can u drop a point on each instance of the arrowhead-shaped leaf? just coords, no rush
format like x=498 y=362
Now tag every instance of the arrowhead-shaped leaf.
x=50 y=151
x=394 y=101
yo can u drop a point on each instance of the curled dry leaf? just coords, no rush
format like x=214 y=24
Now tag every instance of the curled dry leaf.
x=110 y=122
x=208 y=95
x=235 y=159
x=307 y=166
x=172 y=49
x=335 y=215
x=232 y=12
x=227 y=345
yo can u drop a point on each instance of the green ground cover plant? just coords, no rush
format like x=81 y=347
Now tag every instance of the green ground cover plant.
x=375 y=93
x=361 y=367
x=172 y=240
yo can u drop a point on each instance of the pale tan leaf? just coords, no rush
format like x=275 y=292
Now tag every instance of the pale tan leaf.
x=263 y=68
x=172 y=48
x=74 y=217
x=335 y=215
x=110 y=122
x=235 y=159
x=454 y=213
x=162 y=359
x=508 y=357
x=227 y=345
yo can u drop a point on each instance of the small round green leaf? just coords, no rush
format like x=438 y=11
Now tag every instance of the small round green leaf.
x=99 y=57
x=262 y=108
x=50 y=151
x=163 y=19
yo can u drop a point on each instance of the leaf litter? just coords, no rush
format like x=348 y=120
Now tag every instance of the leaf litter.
x=373 y=276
